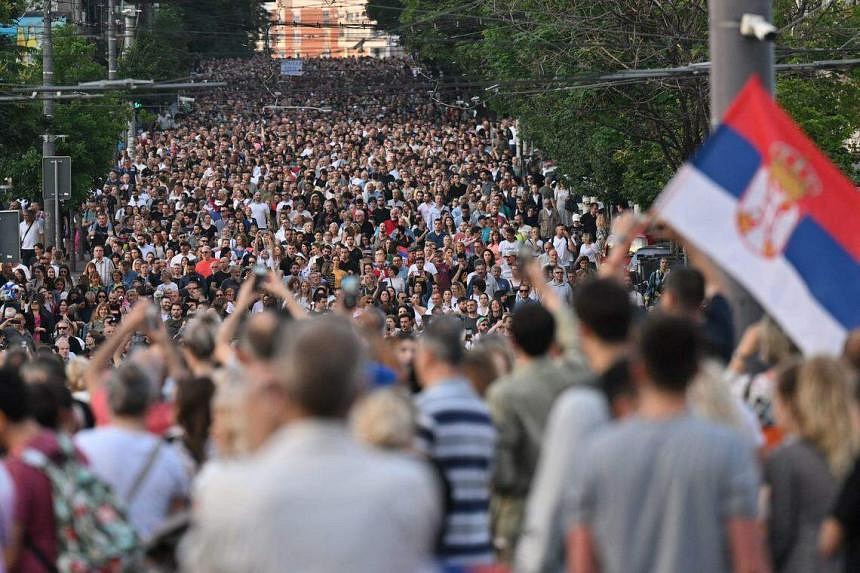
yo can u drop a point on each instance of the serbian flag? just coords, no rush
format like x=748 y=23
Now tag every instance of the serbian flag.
x=762 y=201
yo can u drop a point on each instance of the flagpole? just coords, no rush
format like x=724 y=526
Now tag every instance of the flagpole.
x=741 y=45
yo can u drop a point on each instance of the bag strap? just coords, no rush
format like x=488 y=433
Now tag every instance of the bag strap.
x=40 y=557
x=27 y=232
x=141 y=476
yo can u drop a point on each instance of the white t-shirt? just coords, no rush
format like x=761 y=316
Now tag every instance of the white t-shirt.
x=260 y=212
x=118 y=455
x=589 y=251
x=29 y=239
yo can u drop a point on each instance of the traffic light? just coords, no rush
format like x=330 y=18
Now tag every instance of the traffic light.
x=136 y=105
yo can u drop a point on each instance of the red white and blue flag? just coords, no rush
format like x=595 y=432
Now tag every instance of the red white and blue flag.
x=763 y=202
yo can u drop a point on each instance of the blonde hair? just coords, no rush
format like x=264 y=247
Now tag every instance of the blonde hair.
x=822 y=409
x=230 y=392
x=774 y=346
x=76 y=371
x=384 y=419
x=711 y=398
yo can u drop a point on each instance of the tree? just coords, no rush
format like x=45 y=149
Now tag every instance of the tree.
x=221 y=28
x=385 y=12
x=92 y=127
x=545 y=57
x=160 y=51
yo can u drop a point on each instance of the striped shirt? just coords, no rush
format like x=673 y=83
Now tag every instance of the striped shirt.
x=456 y=432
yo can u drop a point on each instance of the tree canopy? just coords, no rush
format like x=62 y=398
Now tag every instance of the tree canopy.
x=91 y=127
x=540 y=61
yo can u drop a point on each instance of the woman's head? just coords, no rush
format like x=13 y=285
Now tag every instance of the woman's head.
x=384 y=419
x=814 y=399
x=228 y=429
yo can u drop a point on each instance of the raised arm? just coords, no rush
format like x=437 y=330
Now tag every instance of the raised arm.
x=223 y=349
x=276 y=287
x=132 y=322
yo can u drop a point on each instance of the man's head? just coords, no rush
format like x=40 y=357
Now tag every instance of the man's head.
x=313 y=384
x=683 y=292
x=130 y=391
x=13 y=402
x=62 y=347
x=532 y=329
x=668 y=352
x=604 y=310
x=439 y=349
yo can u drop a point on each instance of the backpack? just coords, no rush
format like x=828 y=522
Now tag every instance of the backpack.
x=93 y=533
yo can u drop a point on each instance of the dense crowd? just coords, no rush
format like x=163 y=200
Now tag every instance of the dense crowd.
x=332 y=323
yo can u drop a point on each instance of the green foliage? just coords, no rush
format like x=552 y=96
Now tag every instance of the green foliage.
x=10 y=10
x=160 y=51
x=221 y=28
x=626 y=140
x=825 y=104
x=92 y=126
x=385 y=12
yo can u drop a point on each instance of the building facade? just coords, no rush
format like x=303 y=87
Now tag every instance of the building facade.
x=317 y=28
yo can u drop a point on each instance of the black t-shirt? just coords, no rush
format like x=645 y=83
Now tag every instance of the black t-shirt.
x=846 y=511
x=589 y=224
x=719 y=329
x=100 y=235
x=353 y=261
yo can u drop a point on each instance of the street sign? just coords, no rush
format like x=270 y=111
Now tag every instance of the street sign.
x=57 y=175
x=10 y=242
x=291 y=68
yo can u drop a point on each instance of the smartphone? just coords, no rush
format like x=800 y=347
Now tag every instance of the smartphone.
x=260 y=273
x=350 y=288
x=153 y=319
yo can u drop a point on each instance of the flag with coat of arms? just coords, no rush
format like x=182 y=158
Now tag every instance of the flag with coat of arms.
x=762 y=201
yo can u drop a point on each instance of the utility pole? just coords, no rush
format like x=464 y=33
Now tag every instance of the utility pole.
x=49 y=204
x=735 y=57
x=130 y=12
x=111 y=40
x=737 y=53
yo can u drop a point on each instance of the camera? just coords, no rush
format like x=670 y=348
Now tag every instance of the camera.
x=755 y=26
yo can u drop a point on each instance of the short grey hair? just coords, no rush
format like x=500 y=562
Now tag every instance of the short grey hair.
x=200 y=333
x=130 y=390
x=320 y=364
x=443 y=338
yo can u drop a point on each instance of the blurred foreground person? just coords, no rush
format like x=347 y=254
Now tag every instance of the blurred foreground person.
x=310 y=498
x=457 y=434
x=841 y=531
x=604 y=315
x=813 y=408
x=144 y=471
x=520 y=404
x=665 y=490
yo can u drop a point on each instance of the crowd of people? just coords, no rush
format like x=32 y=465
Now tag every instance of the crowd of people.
x=332 y=323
